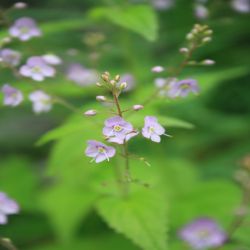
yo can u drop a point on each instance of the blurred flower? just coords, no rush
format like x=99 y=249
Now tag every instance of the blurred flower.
x=20 y=5
x=203 y=233
x=52 y=59
x=182 y=88
x=81 y=75
x=10 y=57
x=162 y=4
x=129 y=79
x=99 y=151
x=201 y=12
x=101 y=98
x=90 y=112
x=12 y=96
x=152 y=129
x=208 y=62
x=117 y=130
x=157 y=69
x=137 y=107
x=41 y=101
x=24 y=28
x=160 y=82
x=242 y=6
x=7 y=206
x=37 y=69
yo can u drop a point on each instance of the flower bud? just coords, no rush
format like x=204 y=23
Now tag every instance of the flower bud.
x=137 y=107
x=208 y=62
x=113 y=82
x=184 y=50
x=157 y=69
x=101 y=98
x=98 y=84
x=208 y=32
x=20 y=5
x=206 y=39
x=190 y=36
x=117 y=78
x=123 y=85
x=90 y=112
x=105 y=76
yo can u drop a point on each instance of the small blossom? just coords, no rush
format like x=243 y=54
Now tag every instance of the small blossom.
x=160 y=82
x=123 y=85
x=90 y=112
x=10 y=57
x=101 y=98
x=37 y=69
x=162 y=4
x=12 y=96
x=41 y=101
x=52 y=59
x=208 y=62
x=242 y=6
x=99 y=151
x=201 y=12
x=137 y=107
x=152 y=129
x=81 y=75
x=129 y=79
x=24 y=28
x=157 y=69
x=7 y=207
x=182 y=88
x=203 y=234
x=117 y=130
x=20 y=5
x=184 y=50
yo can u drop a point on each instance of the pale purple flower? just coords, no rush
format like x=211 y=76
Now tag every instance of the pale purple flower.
x=157 y=69
x=99 y=151
x=81 y=75
x=52 y=59
x=37 y=69
x=182 y=88
x=242 y=6
x=41 y=101
x=10 y=57
x=201 y=12
x=160 y=82
x=202 y=234
x=7 y=207
x=24 y=28
x=152 y=129
x=129 y=79
x=118 y=130
x=12 y=96
x=162 y=4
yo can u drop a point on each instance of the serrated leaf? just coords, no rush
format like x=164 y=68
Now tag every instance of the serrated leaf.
x=138 y=18
x=142 y=217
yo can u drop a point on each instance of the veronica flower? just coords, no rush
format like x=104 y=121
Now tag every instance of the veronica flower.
x=24 y=28
x=182 y=88
x=162 y=4
x=203 y=234
x=81 y=75
x=7 y=206
x=129 y=79
x=117 y=130
x=37 y=69
x=12 y=96
x=242 y=6
x=152 y=129
x=201 y=12
x=52 y=59
x=10 y=57
x=41 y=101
x=99 y=151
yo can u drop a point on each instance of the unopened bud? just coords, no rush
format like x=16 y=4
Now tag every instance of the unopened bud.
x=113 y=82
x=208 y=62
x=137 y=107
x=101 y=98
x=90 y=112
x=206 y=39
x=184 y=50
x=157 y=69
x=190 y=36
x=98 y=84
x=117 y=78
x=208 y=32
x=123 y=85
x=105 y=76
x=20 y=5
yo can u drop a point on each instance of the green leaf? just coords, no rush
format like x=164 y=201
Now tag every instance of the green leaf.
x=142 y=217
x=66 y=206
x=138 y=18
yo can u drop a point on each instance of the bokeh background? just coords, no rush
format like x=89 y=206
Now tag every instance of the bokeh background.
x=204 y=152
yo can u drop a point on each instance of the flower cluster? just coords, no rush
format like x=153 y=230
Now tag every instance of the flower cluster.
x=116 y=129
x=7 y=207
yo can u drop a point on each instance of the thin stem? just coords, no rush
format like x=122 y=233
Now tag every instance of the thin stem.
x=7 y=244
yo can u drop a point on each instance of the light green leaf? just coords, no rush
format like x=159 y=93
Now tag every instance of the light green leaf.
x=142 y=217
x=66 y=206
x=138 y=18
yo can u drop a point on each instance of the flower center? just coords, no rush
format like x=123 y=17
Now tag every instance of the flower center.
x=151 y=129
x=203 y=233
x=36 y=69
x=24 y=30
x=101 y=150
x=185 y=86
x=117 y=128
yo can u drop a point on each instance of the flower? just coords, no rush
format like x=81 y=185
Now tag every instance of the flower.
x=90 y=112
x=20 y=5
x=129 y=79
x=182 y=88
x=157 y=69
x=81 y=75
x=10 y=57
x=203 y=233
x=242 y=6
x=99 y=151
x=137 y=107
x=24 y=28
x=52 y=59
x=12 y=96
x=37 y=69
x=7 y=206
x=101 y=98
x=41 y=101
x=117 y=130
x=208 y=62
x=162 y=4
x=152 y=129
x=160 y=82
x=201 y=12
